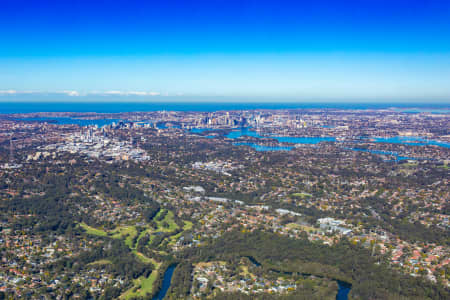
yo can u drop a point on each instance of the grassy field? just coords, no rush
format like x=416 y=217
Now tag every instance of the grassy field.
x=245 y=272
x=187 y=225
x=129 y=232
x=410 y=164
x=169 y=220
x=142 y=234
x=300 y=227
x=146 y=259
x=100 y=262
x=301 y=195
x=141 y=286
x=92 y=230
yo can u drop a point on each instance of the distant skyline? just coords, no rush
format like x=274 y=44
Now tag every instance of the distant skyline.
x=350 y=51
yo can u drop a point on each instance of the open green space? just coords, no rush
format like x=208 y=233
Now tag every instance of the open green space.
x=169 y=220
x=301 y=227
x=410 y=164
x=301 y=195
x=146 y=259
x=187 y=225
x=129 y=232
x=141 y=286
x=92 y=230
x=100 y=262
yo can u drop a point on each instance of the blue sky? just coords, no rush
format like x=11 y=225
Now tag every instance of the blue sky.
x=360 y=50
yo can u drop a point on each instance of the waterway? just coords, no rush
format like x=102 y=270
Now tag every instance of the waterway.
x=411 y=140
x=236 y=133
x=264 y=148
x=342 y=294
x=343 y=287
x=167 y=280
x=200 y=130
x=343 y=290
x=415 y=141
x=380 y=152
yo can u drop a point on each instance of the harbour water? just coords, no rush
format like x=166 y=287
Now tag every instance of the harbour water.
x=237 y=133
x=282 y=139
x=412 y=140
x=415 y=141
x=264 y=148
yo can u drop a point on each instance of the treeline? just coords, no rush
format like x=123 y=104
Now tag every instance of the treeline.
x=419 y=232
x=50 y=212
x=407 y=230
x=371 y=277
x=299 y=294
x=112 y=186
x=181 y=281
x=117 y=259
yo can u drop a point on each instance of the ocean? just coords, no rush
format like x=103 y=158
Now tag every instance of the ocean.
x=116 y=107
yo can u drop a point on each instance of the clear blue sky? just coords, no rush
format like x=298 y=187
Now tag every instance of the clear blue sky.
x=356 y=50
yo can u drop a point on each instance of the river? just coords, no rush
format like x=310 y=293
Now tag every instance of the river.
x=342 y=294
x=344 y=289
x=167 y=280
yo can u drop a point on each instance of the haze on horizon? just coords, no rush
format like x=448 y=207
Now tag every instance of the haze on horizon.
x=229 y=50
